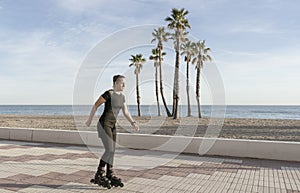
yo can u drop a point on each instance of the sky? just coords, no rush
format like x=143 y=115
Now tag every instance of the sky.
x=44 y=44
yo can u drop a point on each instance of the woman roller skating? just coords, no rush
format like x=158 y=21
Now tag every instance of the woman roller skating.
x=114 y=101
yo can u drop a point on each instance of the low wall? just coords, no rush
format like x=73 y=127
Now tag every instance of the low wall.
x=277 y=150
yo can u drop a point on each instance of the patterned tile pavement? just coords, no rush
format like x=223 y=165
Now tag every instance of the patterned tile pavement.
x=41 y=167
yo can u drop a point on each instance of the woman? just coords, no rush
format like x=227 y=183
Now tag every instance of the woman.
x=114 y=101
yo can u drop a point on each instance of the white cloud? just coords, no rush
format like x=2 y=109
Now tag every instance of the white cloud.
x=261 y=78
x=254 y=27
x=34 y=45
x=243 y=53
x=99 y=7
x=261 y=66
x=79 y=5
x=34 y=71
x=100 y=18
x=44 y=58
x=194 y=6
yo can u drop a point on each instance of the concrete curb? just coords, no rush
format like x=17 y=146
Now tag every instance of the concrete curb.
x=277 y=150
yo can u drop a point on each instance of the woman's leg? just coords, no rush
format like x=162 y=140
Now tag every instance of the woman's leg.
x=114 y=138
x=115 y=181
x=102 y=163
x=108 y=139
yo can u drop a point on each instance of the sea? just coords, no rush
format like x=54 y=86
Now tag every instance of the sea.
x=231 y=111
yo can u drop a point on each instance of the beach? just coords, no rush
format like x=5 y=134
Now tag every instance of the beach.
x=234 y=128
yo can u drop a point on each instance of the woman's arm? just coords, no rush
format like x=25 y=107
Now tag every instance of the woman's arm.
x=128 y=117
x=99 y=102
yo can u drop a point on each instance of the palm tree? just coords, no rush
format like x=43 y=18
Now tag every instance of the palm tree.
x=160 y=35
x=137 y=61
x=156 y=57
x=200 y=58
x=188 y=49
x=179 y=23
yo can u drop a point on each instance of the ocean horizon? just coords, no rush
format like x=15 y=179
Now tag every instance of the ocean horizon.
x=232 y=111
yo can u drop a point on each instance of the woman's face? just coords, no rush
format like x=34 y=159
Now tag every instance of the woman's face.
x=120 y=85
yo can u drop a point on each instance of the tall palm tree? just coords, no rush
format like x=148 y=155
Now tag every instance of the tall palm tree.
x=177 y=22
x=200 y=58
x=188 y=50
x=155 y=57
x=160 y=35
x=137 y=61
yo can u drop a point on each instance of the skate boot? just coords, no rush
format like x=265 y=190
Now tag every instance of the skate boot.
x=101 y=180
x=114 y=181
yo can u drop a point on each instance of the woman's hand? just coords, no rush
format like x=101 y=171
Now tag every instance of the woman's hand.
x=88 y=122
x=100 y=101
x=135 y=126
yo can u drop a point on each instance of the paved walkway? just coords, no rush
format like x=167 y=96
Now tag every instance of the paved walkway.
x=40 y=167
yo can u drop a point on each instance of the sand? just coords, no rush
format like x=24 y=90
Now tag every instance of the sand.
x=259 y=129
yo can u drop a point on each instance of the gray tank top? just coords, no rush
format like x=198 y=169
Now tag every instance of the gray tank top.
x=114 y=103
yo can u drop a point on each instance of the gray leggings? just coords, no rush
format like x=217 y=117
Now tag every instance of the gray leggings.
x=108 y=136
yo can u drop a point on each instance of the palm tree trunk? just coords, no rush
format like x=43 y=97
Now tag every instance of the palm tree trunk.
x=138 y=95
x=198 y=91
x=161 y=87
x=174 y=100
x=174 y=92
x=156 y=90
x=176 y=83
x=188 y=88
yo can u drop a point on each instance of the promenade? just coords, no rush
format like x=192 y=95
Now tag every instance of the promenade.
x=45 y=167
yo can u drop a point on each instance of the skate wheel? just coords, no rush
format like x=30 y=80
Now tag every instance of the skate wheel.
x=92 y=180
x=121 y=185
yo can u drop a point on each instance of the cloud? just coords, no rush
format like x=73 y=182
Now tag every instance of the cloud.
x=97 y=19
x=254 y=27
x=98 y=7
x=79 y=5
x=272 y=79
x=272 y=61
x=47 y=52
x=31 y=64
x=28 y=42
x=242 y=53
x=268 y=78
